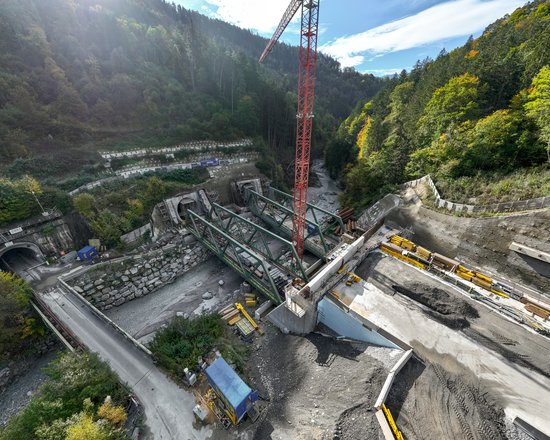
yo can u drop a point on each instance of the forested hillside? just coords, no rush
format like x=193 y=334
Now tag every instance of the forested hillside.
x=477 y=119
x=76 y=75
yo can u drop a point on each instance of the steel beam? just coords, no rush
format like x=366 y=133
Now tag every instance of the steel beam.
x=314 y=248
x=263 y=233
x=229 y=250
x=311 y=207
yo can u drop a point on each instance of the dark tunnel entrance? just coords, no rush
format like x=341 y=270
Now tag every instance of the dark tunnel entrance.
x=22 y=258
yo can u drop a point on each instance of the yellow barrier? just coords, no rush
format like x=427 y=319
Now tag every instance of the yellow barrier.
x=392 y=423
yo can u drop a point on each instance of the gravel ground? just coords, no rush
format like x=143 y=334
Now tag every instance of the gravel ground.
x=316 y=388
x=324 y=191
x=17 y=395
x=434 y=404
x=142 y=317
x=456 y=393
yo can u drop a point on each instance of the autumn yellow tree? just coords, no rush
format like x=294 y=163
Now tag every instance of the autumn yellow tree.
x=538 y=106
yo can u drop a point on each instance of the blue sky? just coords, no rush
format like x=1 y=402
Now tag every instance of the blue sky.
x=379 y=37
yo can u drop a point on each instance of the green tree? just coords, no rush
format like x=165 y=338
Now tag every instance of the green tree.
x=84 y=204
x=455 y=102
x=109 y=227
x=156 y=191
x=14 y=311
x=538 y=106
x=493 y=144
x=16 y=199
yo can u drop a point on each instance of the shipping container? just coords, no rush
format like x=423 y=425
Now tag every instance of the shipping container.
x=87 y=253
x=236 y=396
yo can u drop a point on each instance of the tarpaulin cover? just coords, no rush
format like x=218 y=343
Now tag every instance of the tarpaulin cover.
x=221 y=376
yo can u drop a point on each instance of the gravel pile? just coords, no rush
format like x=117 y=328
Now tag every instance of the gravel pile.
x=448 y=310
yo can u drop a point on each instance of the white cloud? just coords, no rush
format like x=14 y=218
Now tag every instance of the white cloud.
x=262 y=16
x=446 y=20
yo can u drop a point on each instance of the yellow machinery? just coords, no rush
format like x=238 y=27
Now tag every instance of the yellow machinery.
x=478 y=279
x=396 y=254
x=465 y=273
x=403 y=243
x=391 y=422
x=246 y=315
x=423 y=253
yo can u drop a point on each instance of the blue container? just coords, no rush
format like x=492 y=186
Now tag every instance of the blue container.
x=87 y=253
x=236 y=395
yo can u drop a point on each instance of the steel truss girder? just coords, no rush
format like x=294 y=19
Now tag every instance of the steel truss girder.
x=220 y=243
x=252 y=200
x=311 y=208
x=260 y=246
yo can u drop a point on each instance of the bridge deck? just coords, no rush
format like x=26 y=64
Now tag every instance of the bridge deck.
x=168 y=408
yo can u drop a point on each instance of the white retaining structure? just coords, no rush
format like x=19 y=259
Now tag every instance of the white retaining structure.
x=391 y=378
x=189 y=146
x=520 y=205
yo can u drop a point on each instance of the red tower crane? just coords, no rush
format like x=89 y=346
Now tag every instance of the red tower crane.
x=306 y=95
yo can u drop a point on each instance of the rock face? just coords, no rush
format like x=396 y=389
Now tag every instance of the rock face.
x=108 y=285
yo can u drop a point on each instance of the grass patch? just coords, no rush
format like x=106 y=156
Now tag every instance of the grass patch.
x=179 y=345
x=484 y=189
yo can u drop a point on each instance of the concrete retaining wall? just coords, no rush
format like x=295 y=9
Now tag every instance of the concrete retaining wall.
x=113 y=283
x=288 y=322
x=136 y=234
x=520 y=205
x=378 y=211
x=349 y=324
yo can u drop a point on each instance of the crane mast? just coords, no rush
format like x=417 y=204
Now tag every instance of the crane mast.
x=304 y=116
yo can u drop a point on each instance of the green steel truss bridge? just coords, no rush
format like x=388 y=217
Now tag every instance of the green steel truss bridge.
x=265 y=258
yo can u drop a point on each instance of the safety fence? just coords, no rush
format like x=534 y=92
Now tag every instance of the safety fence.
x=519 y=205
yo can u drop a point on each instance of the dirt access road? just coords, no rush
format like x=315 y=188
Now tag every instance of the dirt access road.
x=499 y=362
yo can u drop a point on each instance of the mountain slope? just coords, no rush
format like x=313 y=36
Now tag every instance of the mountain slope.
x=475 y=114
x=78 y=74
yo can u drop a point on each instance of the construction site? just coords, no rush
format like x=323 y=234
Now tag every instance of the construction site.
x=387 y=328
x=399 y=322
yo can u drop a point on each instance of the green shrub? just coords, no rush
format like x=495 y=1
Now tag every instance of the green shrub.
x=74 y=378
x=179 y=345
